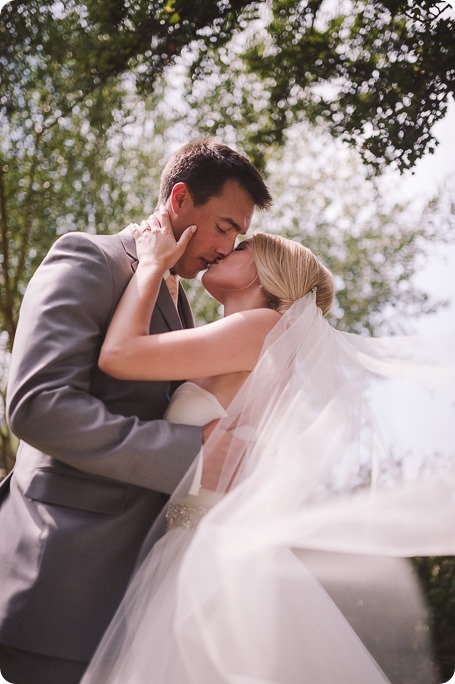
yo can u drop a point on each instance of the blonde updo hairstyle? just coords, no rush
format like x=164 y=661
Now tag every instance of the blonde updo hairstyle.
x=287 y=271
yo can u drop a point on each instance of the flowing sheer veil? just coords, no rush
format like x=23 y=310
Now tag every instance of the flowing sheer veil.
x=341 y=464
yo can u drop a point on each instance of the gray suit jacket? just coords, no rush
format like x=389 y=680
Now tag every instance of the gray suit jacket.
x=95 y=463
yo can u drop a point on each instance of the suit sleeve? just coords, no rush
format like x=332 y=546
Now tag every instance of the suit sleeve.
x=64 y=314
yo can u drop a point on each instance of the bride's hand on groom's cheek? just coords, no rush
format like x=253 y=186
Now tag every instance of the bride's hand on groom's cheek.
x=155 y=241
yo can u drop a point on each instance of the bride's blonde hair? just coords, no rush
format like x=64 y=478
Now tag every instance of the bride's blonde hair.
x=287 y=271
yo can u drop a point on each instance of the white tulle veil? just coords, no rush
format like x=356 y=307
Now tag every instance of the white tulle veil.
x=341 y=465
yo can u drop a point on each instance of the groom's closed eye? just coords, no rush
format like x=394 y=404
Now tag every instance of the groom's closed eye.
x=228 y=221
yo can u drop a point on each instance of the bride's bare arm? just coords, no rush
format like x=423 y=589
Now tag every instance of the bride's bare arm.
x=226 y=346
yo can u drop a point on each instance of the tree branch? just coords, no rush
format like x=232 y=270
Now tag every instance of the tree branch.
x=25 y=234
x=6 y=300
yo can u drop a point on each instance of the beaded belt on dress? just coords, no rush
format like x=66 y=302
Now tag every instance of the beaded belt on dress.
x=184 y=515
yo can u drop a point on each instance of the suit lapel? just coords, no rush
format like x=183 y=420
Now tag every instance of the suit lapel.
x=167 y=307
x=164 y=302
x=129 y=246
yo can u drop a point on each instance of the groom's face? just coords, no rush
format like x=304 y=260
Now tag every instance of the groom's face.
x=219 y=222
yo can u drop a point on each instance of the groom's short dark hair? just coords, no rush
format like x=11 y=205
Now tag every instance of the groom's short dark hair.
x=205 y=165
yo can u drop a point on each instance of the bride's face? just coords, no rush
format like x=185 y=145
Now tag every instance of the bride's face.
x=235 y=273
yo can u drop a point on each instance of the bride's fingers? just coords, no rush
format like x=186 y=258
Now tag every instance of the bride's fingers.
x=186 y=237
x=163 y=218
x=134 y=230
x=155 y=236
x=151 y=223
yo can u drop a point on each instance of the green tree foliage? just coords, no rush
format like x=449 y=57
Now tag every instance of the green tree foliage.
x=8 y=443
x=378 y=73
x=69 y=73
x=371 y=240
x=67 y=93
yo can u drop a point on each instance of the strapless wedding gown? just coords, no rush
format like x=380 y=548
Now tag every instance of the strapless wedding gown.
x=192 y=405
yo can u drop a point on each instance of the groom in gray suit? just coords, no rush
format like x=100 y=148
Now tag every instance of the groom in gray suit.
x=96 y=462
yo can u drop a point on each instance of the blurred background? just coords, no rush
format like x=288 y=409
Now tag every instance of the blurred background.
x=345 y=106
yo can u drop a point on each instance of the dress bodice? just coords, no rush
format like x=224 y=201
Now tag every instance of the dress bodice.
x=192 y=405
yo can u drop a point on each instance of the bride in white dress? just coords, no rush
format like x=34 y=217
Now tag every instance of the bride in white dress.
x=277 y=564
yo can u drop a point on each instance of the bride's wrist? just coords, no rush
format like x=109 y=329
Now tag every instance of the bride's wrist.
x=152 y=269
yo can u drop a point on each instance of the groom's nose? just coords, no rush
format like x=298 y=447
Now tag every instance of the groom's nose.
x=226 y=246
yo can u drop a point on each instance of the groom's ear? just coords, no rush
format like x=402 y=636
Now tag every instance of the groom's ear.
x=180 y=198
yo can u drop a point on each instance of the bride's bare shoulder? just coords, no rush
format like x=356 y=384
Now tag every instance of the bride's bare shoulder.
x=262 y=318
